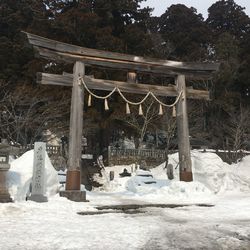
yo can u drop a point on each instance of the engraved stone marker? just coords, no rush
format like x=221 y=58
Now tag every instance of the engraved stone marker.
x=38 y=180
x=4 y=167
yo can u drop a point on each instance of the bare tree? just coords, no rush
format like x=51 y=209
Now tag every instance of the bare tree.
x=238 y=131
x=150 y=120
x=25 y=113
x=142 y=122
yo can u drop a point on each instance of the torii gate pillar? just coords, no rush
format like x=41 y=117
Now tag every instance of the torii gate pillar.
x=183 y=132
x=73 y=177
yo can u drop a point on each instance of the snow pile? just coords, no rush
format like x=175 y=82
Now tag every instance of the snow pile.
x=158 y=188
x=217 y=175
x=20 y=176
x=185 y=189
x=212 y=172
x=242 y=168
x=211 y=176
x=143 y=182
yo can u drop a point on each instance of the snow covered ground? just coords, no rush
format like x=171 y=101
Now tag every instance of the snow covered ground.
x=56 y=224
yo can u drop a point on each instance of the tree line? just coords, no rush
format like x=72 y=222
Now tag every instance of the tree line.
x=179 y=34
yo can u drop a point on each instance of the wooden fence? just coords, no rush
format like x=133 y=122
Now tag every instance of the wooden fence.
x=117 y=156
x=151 y=157
x=51 y=150
x=55 y=154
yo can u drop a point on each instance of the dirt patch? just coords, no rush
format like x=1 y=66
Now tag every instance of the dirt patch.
x=135 y=208
x=112 y=212
x=138 y=206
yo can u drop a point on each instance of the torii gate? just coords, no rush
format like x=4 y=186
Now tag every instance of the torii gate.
x=80 y=56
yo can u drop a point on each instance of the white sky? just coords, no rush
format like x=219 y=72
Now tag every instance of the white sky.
x=160 y=6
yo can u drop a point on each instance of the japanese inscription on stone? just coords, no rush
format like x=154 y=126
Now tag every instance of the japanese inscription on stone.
x=38 y=185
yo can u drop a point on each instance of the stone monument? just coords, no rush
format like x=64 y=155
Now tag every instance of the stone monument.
x=170 y=171
x=4 y=167
x=38 y=185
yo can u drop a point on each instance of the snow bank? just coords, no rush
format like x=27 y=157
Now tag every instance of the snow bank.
x=217 y=175
x=211 y=176
x=143 y=182
x=20 y=176
x=242 y=168
x=163 y=190
x=209 y=170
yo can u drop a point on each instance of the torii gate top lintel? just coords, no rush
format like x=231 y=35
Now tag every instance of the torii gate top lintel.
x=59 y=51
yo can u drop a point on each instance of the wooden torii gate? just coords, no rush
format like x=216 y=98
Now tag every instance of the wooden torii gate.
x=80 y=56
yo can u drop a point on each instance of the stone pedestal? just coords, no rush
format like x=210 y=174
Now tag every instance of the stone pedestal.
x=74 y=195
x=37 y=198
x=4 y=192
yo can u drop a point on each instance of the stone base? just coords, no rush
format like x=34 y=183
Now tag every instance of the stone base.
x=37 y=198
x=74 y=195
x=186 y=176
x=4 y=198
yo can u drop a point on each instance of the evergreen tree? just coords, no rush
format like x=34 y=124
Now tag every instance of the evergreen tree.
x=15 y=56
x=186 y=31
x=231 y=28
x=227 y=16
x=242 y=77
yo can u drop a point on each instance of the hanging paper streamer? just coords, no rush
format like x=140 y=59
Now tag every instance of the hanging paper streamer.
x=106 y=106
x=174 y=111
x=127 y=109
x=140 y=110
x=89 y=100
x=160 y=110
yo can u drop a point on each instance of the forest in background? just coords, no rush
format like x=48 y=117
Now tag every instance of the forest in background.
x=181 y=34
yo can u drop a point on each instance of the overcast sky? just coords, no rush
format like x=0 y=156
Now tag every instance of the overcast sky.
x=160 y=6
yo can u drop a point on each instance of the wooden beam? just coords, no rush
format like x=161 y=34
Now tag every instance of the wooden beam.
x=100 y=84
x=75 y=133
x=53 y=79
x=122 y=65
x=59 y=51
x=183 y=132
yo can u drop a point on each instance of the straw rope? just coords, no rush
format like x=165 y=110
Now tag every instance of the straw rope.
x=128 y=101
